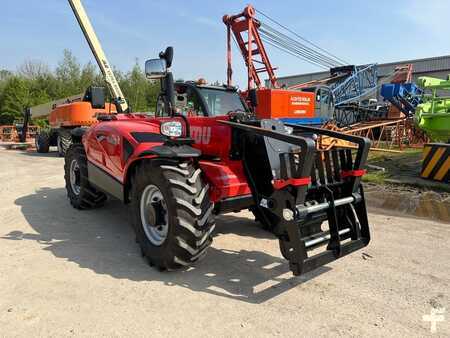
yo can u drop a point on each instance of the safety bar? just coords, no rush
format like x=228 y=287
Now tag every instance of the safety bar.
x=306 y=210
x=322 y=239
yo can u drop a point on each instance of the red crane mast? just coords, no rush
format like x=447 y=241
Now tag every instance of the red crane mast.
x=244 y=27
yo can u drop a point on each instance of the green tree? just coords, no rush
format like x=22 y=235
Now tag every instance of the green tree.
x=68 y=75
x=15 y=97
x=48 y=84
x=140 y=93
x=35 y=83
x=89 y=77
x=4 y=76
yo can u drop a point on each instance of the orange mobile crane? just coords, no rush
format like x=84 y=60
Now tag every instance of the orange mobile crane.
x=310 y=103
x=274 y=102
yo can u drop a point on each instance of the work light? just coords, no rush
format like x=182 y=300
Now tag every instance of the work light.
x=172 y=129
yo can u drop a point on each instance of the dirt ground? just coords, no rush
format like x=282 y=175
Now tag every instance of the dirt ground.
x=64 y=272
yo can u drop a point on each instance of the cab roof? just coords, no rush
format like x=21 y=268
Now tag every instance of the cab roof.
x=208 y=86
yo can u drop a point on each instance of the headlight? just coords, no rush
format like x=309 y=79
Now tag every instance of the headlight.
x=289 y=130
x=172 y=129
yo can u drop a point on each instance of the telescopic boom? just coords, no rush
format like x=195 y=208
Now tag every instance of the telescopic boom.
x=99 y=54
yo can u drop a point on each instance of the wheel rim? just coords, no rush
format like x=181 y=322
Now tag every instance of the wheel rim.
x=75 y=177
x=154 y=215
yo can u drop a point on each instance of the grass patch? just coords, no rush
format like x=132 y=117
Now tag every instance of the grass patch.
x=396 y=165
x=377 y=177
x=375 y=156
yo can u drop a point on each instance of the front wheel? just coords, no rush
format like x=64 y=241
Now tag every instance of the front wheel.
x=63 y=141
x=171 y=213
x=81 y=194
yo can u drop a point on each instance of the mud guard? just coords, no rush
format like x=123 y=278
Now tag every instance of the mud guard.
x=172 y=151
x=77 y=134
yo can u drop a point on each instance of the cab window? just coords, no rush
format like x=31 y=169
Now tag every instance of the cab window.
x=188 y=103
x=222 y=102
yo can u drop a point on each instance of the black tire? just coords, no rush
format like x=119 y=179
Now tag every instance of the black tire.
x=189 y=220
x=64 y=141
x=42 y=142
x=87 y=197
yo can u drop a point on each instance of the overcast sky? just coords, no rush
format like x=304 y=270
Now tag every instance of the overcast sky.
x=358 y=31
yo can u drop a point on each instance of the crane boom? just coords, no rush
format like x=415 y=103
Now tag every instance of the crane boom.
x=99 y=54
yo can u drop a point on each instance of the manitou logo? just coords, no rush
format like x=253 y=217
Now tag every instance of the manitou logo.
x=201 y=135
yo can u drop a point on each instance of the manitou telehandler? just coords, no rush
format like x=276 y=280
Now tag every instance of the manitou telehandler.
x=205 y=153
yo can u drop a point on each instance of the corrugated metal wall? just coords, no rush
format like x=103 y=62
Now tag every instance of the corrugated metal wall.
x=435 y=67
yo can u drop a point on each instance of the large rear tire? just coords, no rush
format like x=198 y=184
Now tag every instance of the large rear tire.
x=64 y=141
x=42 y=141
x=171 y=213
x=81 y=194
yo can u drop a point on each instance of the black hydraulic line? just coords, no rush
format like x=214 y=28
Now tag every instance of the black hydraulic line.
x=294 y=54
x=302 y=38
x=298 y=49
x=279 y=35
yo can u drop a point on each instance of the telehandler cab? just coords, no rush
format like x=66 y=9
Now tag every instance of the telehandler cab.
x=204 y=154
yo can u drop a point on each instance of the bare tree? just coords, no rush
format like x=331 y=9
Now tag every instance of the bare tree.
x=33 y=69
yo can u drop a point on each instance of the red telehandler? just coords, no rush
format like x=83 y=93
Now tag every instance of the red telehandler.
x=205 y=153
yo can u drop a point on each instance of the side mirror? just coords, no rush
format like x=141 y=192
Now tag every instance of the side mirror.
x=253 y=98
x=155 y=69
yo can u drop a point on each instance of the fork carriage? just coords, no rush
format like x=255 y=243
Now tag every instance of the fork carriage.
x=297 y=188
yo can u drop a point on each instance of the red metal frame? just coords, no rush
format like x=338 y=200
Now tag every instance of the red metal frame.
x=353 y=173
x=244 y=27
x=403 y=74
x=296 y=182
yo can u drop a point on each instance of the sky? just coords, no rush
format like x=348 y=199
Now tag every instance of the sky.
x=359 y=31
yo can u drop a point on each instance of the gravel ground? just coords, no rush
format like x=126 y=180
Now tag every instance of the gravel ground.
x=69 y=273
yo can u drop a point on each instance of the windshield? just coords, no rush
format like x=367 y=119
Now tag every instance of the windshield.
x=221 y=102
